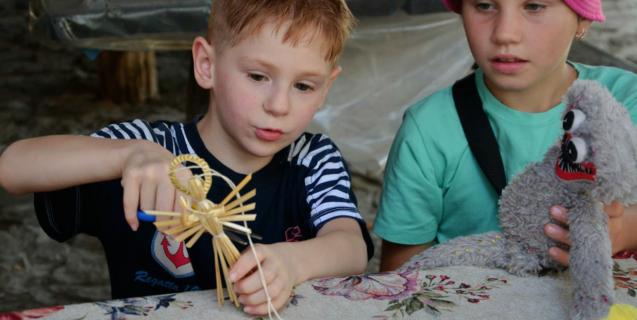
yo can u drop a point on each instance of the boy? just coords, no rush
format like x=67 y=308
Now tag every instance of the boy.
x=268 y=65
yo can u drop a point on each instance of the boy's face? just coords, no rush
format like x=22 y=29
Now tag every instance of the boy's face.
x=266 y=92
x=518 y=43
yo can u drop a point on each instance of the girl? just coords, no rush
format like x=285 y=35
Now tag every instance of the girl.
x=434 y=189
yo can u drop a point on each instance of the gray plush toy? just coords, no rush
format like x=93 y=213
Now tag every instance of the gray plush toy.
x=595 y=162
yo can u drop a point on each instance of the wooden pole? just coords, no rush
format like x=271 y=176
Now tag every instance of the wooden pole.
x=128 y=76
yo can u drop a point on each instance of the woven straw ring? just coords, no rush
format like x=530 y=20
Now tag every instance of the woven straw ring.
x=201 y=163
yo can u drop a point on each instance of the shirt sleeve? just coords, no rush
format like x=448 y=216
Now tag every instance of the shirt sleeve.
x=328 y=185
x=65 y=213
x=411 y=201
x=68 y=212
x=625 y=91
x=329 y=188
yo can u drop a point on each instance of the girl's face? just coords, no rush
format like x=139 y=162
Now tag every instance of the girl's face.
x=520 y=44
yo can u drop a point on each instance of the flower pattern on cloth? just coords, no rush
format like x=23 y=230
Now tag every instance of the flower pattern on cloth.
x=626 y=255
x=625 y=278
x=378 y=286
x=434 y=296
x=405 y=293
x=30 y=314
x=119 y=309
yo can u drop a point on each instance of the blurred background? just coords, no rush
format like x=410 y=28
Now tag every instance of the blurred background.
x=72 y=66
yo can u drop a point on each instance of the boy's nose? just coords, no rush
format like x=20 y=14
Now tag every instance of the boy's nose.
x=278 y=102
x=508 y=27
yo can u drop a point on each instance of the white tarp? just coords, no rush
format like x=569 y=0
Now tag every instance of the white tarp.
x=390 y=63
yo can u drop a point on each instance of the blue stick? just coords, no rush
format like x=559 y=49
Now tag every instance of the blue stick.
x=143 y=216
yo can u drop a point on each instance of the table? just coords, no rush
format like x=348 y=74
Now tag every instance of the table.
x=443 y=293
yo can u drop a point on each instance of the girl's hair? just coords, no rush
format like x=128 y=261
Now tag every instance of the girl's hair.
x=587 y=9
x=232 y=21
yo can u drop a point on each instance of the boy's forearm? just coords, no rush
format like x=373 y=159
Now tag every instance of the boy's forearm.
x=336 y=251
x=56 y=162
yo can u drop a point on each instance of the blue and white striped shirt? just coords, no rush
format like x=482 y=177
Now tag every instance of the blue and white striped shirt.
x=304 y=186
x=313 y=159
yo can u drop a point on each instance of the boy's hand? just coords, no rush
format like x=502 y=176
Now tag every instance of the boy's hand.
x=615 y=212
x=279 y=277
x=146 y=182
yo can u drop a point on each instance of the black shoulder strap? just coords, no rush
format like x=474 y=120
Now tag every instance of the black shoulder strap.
x=478 y=131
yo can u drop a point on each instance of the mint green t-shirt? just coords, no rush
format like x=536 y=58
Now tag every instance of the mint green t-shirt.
x=433 y=188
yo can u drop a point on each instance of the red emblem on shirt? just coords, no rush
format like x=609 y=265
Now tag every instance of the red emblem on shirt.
x=293 y=234
x=171 y=255
x=178 y=258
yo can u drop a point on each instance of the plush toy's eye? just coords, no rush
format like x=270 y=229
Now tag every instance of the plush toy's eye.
x=576 y=150
x=573 y=119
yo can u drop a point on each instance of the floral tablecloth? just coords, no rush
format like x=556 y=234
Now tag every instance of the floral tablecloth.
x=444 y=293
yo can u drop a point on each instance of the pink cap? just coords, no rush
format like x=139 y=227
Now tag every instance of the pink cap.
x=587 y=9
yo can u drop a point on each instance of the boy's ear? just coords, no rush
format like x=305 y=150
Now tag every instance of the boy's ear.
x=203 y=56
x=335 y=72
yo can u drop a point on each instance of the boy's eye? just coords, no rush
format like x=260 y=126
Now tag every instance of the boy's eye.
x=257 y=77
x=303 y=87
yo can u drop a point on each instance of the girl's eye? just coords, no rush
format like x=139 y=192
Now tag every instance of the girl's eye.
x=534 y=7
x=484 y=6
x=303 y=87
x=257 y=77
